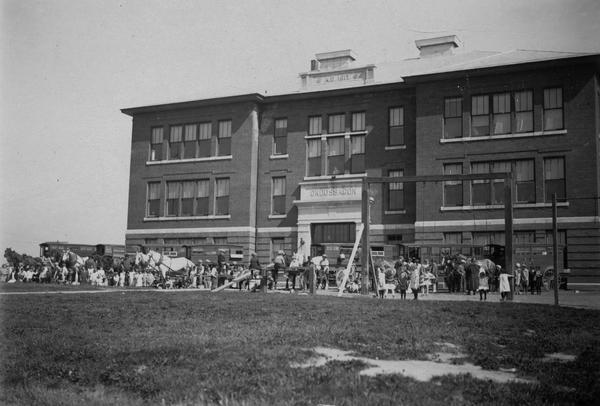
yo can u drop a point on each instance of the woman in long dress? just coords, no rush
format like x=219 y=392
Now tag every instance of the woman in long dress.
x=414 y=279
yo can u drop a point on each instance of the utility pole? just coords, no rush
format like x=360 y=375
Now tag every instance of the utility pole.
x=508 y=231
x=364 y=256
x=555 y=246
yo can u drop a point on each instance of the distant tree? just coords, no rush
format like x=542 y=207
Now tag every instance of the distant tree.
x=12 y=257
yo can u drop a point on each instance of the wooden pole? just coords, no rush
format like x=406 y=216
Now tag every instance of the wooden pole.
x=508 y=231
x=555 y=246
x=364 y=257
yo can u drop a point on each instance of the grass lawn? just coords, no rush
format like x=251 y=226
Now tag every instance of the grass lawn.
x=236 y=349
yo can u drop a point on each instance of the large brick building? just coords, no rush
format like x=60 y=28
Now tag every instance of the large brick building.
x=285 y=171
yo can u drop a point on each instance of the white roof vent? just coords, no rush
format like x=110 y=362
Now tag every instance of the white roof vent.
x=438 y=46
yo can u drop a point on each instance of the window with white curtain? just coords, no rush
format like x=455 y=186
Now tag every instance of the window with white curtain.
x=453 y=190
x=396 y=191
x=337 y=123
x=204 y=140
x=280 y=137
x=314 y=157
x=202 y=197
x=175 y=142
x=335 y=155
x=524 y=111
x=480 y=116
x=554 y=178
x=156 y=144
x=453 y=117
x=278 y=195
x=187 y=198
x=357 y=154
x=481 y=193
x=222 y=196
x=498 y=189
x=153 y=200
x=396 y=126
x=525 y=181
x=358 y=121
x=553 y=109
x=224 y=138
x=501 y=113
x=189 y=144
x=315 y=126
x=173 y=198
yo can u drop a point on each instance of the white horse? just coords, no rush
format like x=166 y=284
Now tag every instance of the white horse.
x=72 y=260
x=163 y=263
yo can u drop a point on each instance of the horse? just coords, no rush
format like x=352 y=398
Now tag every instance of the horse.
x=162 y=263
x=74 y=262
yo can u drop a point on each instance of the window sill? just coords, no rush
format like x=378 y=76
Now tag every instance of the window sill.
x=504 y=136
x=341 y=134
x=334 y=177
x=282 y=156
x=501 y=206
x=277 y=216
x=183 y=161
x=394 y=147
x=188 y=218
x=394 y=212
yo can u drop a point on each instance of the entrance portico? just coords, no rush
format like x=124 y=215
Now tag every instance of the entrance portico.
x=327 y=201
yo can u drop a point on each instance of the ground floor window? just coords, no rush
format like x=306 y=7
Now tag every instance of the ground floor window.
x=323 y=233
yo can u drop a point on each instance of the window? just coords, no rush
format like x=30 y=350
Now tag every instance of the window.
x=554 y=179
x=315 y=125
x=277 y=244
x=314 y=158
x=453 y=238
x=220 y=240
x=553 y=109
x=280 y=137
x=501 y=116
x=153 y=200
x=525 y=181
x=357 y=154
x=222 y=196
x=488 y=237
x=156 y=144
x=453 y=191
x=396 y=192
x=453 y=117
x=175 y=142
x=224 y=138
x=394 y=239
x=358 y=121
x=480 y=116
x=337 y=123
x=189 y=144
x=498 y=188
x=481 y=193
x=187 y=198
x=202 y=197
x=524 y=111
x=335 y=155
x=204 y=140
x=278 y=193
x=524 y=237
x=323 y=233
x=173 y=196
x=396 y=126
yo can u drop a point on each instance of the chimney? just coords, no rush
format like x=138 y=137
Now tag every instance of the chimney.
x=314 y=65
x=437 y=46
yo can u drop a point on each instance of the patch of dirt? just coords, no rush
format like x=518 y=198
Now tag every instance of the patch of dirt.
x=558 y=357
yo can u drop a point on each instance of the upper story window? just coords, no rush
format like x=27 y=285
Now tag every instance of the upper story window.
x=498 y=184
x=315 y=126
x=453 y=190
x=156 y=144
x=396 y=192
x=501 y=113
x=187 y=198
x=222 y=196
x=336 y=155
x=204 y=140
x=358 y=121
x=396 y=126
x=175 y=142
x=337 y=123
x=202 y=198
x=280 y=137
x=480 y=116
x=357 y=154
x=278 y=195
x=481 y=191
x=153 y=199
x=224 y=138
x=554 y=179
x=190 y=141
x=173 y=198
x=524 y=111
x=525 y=181
x=453 y=117
x=553 y=109
x=313 y=154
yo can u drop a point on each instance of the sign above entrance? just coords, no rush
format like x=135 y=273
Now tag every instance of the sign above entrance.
x=330 y=192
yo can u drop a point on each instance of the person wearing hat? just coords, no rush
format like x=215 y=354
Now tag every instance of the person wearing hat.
x=324 y=272
x=483 y=284
x=518 y=278
x=278 y=264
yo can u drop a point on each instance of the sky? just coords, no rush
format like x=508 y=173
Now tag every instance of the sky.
x=67 y=67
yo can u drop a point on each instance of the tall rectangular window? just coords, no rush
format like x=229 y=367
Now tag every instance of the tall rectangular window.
x=553 y=109
x=189 y=144
x=453 y=190
x=498 y=188
x=187 y=198
x=153 y=200
x=396 y=126
x=315 y=125
x=335 y=155
x=175 y=142
x=314 y=157
x=554 y=179
x=173 y=197
x=453 y=117
x=204 y=140
x=357 y=154
x=156 y=144
x=202 y=197
x=222 y=196
x=280 y=137
x=396 y=192
x=524 y=111
x=277 y=244
x=224 y=138
x=278 y=195
x=480 y=116
x=501 y=113
x=525 y=181
x=358 y=121
x=481 y=193
x=337 y=123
